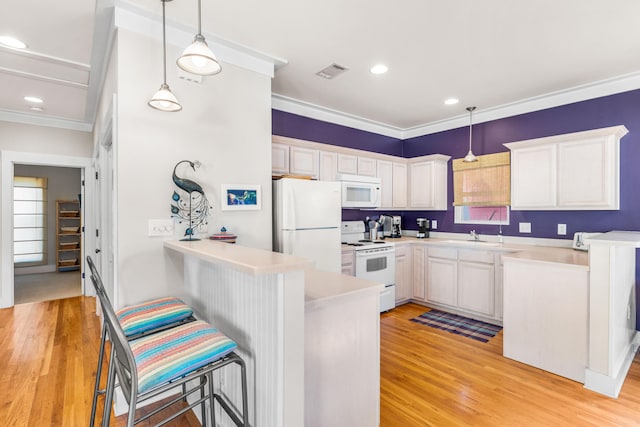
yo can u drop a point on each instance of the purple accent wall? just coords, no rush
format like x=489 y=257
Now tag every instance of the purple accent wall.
x=619 y=109
x=294 y=126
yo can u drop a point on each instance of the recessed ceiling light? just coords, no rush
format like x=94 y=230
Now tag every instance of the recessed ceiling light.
x=34 y=108
x=379 y=69
x=12 y=42
x=451 y=101
x=33 y=99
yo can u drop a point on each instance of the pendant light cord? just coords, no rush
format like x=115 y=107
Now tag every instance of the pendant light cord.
x=199 y=17
x=164 y=44
x=470 y=127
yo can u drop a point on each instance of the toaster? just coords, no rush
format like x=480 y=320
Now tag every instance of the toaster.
x=578 y=240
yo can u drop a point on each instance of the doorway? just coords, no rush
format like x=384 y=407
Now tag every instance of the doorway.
x=47 y=221
x=11 y=160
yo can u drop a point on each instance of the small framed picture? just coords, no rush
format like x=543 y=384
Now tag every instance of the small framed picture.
x=241 y=197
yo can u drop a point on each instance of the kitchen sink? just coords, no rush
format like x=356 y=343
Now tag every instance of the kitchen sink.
x=473 y=243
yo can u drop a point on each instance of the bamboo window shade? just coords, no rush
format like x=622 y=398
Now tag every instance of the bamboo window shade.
x=486 y=182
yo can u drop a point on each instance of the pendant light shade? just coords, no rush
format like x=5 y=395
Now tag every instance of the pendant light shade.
x=164 y=99
x=470 y=157
x=197 y=58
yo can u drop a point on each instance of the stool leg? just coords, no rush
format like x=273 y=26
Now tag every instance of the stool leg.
x=96 y=389
x=212 y=400
x=111 y=380
x=245 y=403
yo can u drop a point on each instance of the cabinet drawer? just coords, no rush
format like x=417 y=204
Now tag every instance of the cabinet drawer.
x=347 y=257
x=448 y=253
x=476 y=256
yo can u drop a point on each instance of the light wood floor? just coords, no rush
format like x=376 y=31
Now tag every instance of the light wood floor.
x=48 y=353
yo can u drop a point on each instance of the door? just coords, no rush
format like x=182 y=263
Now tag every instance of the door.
x=322 y=246
x=305 y=204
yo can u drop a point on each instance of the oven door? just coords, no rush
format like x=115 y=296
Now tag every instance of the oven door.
x=377 y=265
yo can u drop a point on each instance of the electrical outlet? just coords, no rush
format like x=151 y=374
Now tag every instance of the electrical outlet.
x=525 y=227
x=160 y=227
x=562 y=229
x=434 y=224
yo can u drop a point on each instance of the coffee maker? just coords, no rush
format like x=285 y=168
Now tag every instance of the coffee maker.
x=396 y=231
x=424 y=226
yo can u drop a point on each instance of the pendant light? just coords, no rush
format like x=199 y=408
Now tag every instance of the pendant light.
x=470 y=157
x=164 y=99
x=197 y=58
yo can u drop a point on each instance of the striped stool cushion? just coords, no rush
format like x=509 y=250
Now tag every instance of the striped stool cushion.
x=168 y=355
x=150 y=315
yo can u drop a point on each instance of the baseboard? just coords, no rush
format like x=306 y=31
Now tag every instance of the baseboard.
x=49 y=268
x=610 y=386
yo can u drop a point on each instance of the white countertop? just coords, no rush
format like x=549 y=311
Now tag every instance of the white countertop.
x=534 y=253
x=242 y=258
x=323 y=286
x=621 y=238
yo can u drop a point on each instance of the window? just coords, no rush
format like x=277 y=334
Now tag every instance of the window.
x=482 y=190
x=29 y=220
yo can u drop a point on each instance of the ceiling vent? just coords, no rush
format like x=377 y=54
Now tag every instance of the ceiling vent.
x=332 y=71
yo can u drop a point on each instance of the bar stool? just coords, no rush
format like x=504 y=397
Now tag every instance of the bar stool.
x=156 y=363
x=137 y=321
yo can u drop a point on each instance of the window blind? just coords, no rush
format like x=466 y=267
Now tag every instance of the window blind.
x=486 y=182
x=29 y=220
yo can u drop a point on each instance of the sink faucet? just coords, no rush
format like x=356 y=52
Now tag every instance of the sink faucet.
x=475 y=235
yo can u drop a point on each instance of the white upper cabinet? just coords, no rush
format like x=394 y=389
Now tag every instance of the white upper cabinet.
x=328 y=165
x=385 y=173
x=577 y=171
x=347 y=164
x=399 y=185
x=428 y=183
x=367 y=166
x=279 y=159
x=303 y=161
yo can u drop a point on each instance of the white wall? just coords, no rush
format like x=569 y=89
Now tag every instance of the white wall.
x=225 y=124
x=62 y=184
x=17 y=137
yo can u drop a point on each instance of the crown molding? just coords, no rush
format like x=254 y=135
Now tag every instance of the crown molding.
x=584 y=92
x=144 y=22
x=47 y=121
x=312 y=111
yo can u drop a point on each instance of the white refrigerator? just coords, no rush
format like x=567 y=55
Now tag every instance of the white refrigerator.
x=306 y=221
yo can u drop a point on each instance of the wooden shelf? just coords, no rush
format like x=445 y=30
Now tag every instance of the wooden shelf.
x=67 y=215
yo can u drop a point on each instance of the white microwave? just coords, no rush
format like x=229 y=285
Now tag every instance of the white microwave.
x=360 y=191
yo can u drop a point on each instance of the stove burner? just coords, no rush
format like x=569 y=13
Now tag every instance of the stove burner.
x=365 y=241
x=356 y=244
x=378 y=241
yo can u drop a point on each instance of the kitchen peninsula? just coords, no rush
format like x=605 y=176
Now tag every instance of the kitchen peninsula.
x=289 y=321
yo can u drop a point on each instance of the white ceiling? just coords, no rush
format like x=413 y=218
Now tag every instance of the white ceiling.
x=488 y=53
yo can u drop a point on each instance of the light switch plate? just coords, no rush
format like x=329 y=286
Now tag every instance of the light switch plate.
x=434 y=224
x=160 y=227
x=562 y=229
x=525 y=227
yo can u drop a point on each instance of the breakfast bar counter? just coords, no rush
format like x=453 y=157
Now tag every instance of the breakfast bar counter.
x=302 y=332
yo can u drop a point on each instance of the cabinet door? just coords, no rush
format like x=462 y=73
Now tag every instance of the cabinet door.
x=303 y=161
x=367 y=166
x=442 y=281
x=476 y=290
x=348 y=263
x=347 y=164
x=399 y=185
x=279 y=159
x=584 y=174
x=328 y=166
x=420 y=185
x=385 y=173
x=533 y=178
x=403 y=273
x=418 y=254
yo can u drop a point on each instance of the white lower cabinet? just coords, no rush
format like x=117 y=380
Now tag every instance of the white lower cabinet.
x=404 y=286
x=442 y=276
x=348 y=262
x=419 y=254
x=465 y=281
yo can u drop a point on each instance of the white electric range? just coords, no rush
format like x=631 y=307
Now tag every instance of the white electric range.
x=375 y=260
